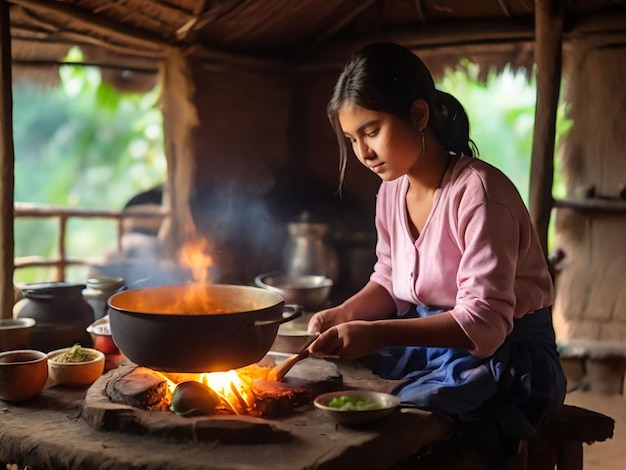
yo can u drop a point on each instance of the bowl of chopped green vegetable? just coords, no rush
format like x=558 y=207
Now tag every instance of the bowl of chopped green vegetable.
x=357 y=407
x=75 y=366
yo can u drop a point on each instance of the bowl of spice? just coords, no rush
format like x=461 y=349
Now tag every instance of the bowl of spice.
x=75 y=366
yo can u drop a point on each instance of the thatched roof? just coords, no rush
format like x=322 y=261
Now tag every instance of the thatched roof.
x=132 y=34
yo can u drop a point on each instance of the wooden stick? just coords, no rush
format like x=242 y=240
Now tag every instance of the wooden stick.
x=7 y=163
x=548 y=57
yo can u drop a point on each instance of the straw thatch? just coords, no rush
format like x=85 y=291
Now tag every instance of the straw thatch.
x=128 y=38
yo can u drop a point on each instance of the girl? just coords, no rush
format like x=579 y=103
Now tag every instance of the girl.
x=458 y=307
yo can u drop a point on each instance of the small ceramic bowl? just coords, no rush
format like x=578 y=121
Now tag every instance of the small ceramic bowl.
x=14 y=333
x=23 y=374
x=75 y=374
x=360 y=407
x=100 y=332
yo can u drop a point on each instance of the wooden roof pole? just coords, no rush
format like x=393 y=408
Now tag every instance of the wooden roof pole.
x=7 y=161
x=548 y=57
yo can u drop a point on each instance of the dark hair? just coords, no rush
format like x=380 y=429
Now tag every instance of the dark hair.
x=389 y=78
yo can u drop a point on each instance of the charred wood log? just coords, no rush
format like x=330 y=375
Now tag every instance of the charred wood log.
x=141 y=388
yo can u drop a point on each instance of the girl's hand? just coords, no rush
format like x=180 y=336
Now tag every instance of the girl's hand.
x=372 y=302
x=325 y=319
x=349 y=340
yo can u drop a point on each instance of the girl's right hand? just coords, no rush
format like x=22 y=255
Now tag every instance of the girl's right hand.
x=372 y=302
x=325 y=319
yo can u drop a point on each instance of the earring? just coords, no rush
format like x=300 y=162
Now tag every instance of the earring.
x=423 y=142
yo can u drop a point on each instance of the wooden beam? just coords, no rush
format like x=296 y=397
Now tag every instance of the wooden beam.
x=608 y=27
x=548 y=59
x=96 y=24
x=505 y=8
x=68 y=38
x=452 y=34
x=27 y=209
x=55 y=63
x=420 y=11
x=595 y=206
x=357 y=10
x=225 y=59
x=603 y=22
x=7 y=162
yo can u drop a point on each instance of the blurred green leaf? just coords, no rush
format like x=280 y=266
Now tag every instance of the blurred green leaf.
x=80 y=145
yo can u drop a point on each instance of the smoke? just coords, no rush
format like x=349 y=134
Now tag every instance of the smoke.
x=243 y=231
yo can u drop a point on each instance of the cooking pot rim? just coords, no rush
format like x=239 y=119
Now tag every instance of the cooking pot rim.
x=279 y=303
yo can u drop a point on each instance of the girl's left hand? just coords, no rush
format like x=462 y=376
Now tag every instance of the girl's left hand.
x=350 y=340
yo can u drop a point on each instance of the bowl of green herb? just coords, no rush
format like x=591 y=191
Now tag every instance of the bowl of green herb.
x=75 y=366
x=357 y=407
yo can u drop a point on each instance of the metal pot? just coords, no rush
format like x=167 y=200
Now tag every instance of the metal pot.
x=197 y=328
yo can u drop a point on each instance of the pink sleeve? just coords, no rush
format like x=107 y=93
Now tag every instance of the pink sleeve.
x=485 y=301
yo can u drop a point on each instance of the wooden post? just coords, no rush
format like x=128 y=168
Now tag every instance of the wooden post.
x=548 y=57
x=7 y=161
x=180 y=118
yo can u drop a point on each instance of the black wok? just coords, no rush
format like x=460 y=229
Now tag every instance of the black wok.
x=197 y=328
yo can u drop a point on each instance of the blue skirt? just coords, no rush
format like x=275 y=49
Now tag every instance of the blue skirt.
x=494 y=402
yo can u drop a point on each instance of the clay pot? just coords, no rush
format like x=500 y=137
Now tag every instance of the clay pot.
x=61 y=313
x=14 y=333
x=23 y=374
x=98 y=291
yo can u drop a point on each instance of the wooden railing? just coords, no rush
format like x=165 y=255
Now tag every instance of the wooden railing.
x=61 y=261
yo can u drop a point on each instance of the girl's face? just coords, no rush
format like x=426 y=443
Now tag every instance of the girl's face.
x=386 y=144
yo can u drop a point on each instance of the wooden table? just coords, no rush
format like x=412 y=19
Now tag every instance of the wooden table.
x=49 y=433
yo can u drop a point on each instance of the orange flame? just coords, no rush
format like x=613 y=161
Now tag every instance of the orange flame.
x=234 y=387
x=193 y=255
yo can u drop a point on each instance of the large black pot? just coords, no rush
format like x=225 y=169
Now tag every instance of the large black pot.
x=197 y=328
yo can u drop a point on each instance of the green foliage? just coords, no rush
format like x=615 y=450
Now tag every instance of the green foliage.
x=501 y=111
x=82 y=144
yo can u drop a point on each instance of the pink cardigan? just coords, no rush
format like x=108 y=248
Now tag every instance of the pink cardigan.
x=477 y=254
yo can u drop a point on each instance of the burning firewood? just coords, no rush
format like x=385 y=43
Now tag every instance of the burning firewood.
x=242 y=392
x=142 y=388
x=275 y=398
